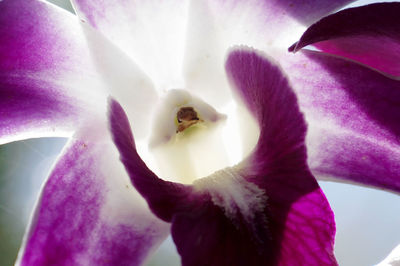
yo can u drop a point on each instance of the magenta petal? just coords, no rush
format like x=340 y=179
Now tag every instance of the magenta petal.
x=278 y=164
x=248 y=214
x=205 y=235
x=89 y=214
x=368 y=34
x=267 y=94
x=309 y=233
x=353 y=114
x=163 y=197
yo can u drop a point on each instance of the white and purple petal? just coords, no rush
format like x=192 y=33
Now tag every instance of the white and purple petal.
x=353 y=115
x=89 y=213
x=367 y=34
x=36 y=46
x=197 y=33
x=297 y=207
x=51 y=79
x=215 y=26
x=244 y=214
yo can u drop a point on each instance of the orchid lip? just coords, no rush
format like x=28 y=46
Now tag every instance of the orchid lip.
x=249 y=203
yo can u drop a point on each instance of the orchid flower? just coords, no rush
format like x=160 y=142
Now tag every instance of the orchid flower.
x=151 y=94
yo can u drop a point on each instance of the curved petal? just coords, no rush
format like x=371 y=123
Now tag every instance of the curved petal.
x=309 y=233
x=49 y=77
x=252 y=212
x=367 y=34
x=162 y=196
x=88 y=213
x=353 y=115
x=278 y=164
x=151 y=32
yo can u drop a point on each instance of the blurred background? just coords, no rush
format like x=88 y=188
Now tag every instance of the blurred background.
x=368 y=220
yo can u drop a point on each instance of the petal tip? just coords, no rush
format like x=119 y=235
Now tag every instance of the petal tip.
x=293 y=48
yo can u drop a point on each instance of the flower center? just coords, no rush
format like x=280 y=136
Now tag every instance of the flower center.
x=177 y=112
x=186 y=117
x=190 y=139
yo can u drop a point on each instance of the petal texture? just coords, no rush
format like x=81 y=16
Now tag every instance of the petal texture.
x=162 y=197
x=33 y=51
x=353 y=115
x=251 y=213
x=161 y=29
x=51 y=77
x=89 y=214
x=151 y=32
x=215 y=26
x=368 y=34
x=278 y=163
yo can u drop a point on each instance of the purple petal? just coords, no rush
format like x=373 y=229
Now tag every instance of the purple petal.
x=50 y=78
x=162 y=196
x=278 y=163
x=309 y=233
x=31 y=108
x=204 y=234
x=89 y=214
x=244 y=214
x=350 y=158
x=353 y=115
x=33 y=50
x=368 y=34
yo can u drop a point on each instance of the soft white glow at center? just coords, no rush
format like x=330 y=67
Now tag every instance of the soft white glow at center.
x=204 y=148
